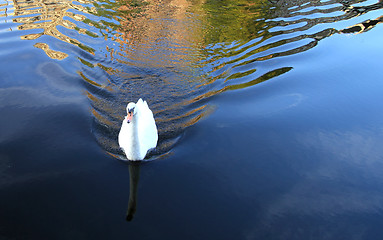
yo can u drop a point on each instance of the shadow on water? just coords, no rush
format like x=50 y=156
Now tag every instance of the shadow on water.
x=174 y=54
x=134 y=177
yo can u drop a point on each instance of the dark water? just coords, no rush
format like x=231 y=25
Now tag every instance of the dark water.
x=269 y=115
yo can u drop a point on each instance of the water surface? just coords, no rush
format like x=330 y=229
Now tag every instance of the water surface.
x=269 y=118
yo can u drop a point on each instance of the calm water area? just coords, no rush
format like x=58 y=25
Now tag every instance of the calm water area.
x=269 y=115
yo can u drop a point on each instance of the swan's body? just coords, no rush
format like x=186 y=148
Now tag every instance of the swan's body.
x=138 y=132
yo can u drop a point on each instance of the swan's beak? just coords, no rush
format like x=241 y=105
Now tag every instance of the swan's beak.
x=129 y=117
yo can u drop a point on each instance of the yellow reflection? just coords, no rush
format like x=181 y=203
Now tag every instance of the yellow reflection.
x=51 y=53
x=161 y=35
x=363 y=27
x=46 y=15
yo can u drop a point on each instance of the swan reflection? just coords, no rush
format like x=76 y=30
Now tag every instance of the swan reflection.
x=134 y=176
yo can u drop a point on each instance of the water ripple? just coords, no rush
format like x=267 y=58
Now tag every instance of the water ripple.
x=175 y=54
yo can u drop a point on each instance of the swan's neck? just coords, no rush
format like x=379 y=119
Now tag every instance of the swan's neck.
x=135 y=141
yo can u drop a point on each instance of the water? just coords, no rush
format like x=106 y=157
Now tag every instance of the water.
x=269 y=118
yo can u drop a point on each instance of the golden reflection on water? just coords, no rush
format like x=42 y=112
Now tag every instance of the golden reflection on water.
x=51 y=53
x=143 y=28
x=46 y=15
x=162 y=35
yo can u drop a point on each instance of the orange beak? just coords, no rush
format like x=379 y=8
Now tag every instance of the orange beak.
x=129 y=117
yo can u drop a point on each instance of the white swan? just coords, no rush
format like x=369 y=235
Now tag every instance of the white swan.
x=138 y=132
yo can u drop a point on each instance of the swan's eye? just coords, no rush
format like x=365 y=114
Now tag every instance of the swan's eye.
x=131 y=110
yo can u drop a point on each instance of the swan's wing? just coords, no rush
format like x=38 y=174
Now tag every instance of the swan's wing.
x=123 y=139
x=147 y=129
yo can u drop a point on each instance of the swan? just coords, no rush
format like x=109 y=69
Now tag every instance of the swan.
x=138 y=132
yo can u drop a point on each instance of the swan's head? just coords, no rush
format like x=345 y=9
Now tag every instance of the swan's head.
x=131 y=110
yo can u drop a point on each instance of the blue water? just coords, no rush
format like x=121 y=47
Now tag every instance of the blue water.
x=269 y=118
